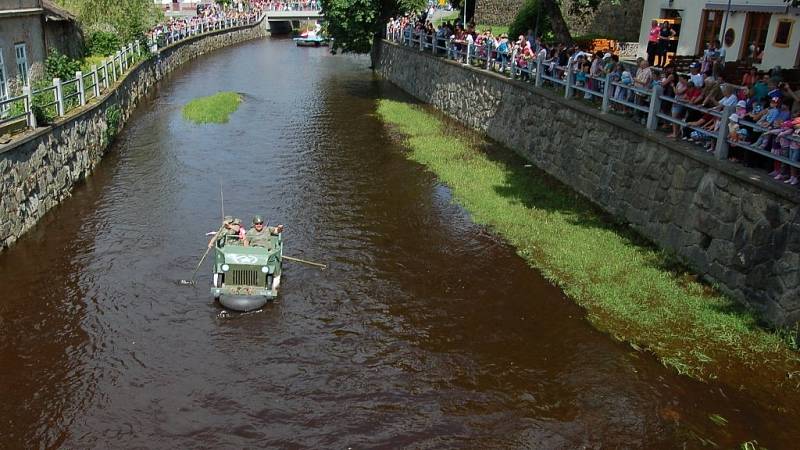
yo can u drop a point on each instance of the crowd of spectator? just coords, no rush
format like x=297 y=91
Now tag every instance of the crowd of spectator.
x=176 y=28
x=763 y=126
x=305 y=5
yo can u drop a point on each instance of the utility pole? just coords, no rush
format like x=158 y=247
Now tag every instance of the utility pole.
x=725 y=23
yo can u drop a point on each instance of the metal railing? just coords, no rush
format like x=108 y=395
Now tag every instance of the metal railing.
x=64 y=96
x=646 y=104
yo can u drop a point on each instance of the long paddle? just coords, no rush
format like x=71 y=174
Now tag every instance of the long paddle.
x=310 y=263
x=194 y=274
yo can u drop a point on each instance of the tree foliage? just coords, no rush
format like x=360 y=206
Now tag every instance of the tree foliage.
x=58 y=65
x=129 y=19
x=555 y=16
x=103 y=43
x=355 y=24
x=528 y=17
x=560 y=29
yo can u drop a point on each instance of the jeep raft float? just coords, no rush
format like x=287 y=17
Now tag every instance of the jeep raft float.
x=246 y=278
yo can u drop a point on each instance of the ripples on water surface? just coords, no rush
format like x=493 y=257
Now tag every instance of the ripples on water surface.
x=426 y=332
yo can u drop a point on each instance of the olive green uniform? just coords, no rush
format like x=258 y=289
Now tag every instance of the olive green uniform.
x=231 y=237
x=261 y=238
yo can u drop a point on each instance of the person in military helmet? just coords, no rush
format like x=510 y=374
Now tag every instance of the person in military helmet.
x=226 y=226
x=259 y=235
x=237 y=233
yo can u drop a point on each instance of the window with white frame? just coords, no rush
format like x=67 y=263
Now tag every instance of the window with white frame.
x=22 y=62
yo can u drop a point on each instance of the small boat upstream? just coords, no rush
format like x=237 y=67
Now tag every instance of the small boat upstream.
x=311 y=38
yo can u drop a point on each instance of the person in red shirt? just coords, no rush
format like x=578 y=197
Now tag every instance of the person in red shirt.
x=652 y=42
x=690 y=96
x=750 y=78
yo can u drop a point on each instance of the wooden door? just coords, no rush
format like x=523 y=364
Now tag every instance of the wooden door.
x=756 y=26
x=710 y=26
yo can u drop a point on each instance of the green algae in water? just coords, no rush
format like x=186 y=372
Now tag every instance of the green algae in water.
x=215 y=108
x=628 y=289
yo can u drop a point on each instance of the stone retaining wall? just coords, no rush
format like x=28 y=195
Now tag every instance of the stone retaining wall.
x=619 y=19
x=38 y=170
x=732 y=225
x=497 y=12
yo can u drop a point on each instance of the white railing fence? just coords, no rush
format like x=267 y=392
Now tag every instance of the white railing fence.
x=64 y=96
x=644 y=104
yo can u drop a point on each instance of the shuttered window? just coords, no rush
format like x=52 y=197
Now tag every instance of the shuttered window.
x=3 y=85
x=22 y=62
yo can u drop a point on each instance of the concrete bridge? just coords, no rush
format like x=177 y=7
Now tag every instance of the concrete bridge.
x=284 y=21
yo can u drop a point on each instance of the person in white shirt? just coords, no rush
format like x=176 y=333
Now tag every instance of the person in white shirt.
x=695 y=76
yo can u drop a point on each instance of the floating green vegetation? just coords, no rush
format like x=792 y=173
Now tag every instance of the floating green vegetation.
x=717 y=419
x=628 y=288
x=212 y=109
x=751 y=445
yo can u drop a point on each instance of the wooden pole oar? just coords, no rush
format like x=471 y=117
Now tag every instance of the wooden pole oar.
x=194 y=274
x=310 y=263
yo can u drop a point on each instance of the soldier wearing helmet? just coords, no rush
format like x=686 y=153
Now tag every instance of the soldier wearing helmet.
x=231 y=231
x=259 y=235
x=236 y=233
x=223 y=231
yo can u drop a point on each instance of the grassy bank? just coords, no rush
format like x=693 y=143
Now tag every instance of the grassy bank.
x=450 y=16
x=628 y=288
x=212 y=109
x=497 y=30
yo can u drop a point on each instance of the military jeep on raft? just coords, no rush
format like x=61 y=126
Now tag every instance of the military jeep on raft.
x=246 y=278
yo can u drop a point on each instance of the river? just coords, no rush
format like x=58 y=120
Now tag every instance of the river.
x=426 y=332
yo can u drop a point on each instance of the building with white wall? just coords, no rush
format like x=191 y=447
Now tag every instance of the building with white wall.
x=763 y=32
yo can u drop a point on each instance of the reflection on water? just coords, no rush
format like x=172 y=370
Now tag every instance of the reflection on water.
x=426 y=331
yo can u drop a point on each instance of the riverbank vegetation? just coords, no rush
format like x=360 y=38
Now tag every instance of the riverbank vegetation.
x=215 y=108
x=123 y=20
x=630 y=290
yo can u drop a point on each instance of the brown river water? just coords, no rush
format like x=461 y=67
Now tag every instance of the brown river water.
x=426 y=332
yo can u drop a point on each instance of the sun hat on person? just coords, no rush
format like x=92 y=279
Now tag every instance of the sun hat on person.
x=741 y=104
x=734 y=118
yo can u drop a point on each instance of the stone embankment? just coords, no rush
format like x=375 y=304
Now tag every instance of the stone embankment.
x=732 y=225
x=38 y=170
